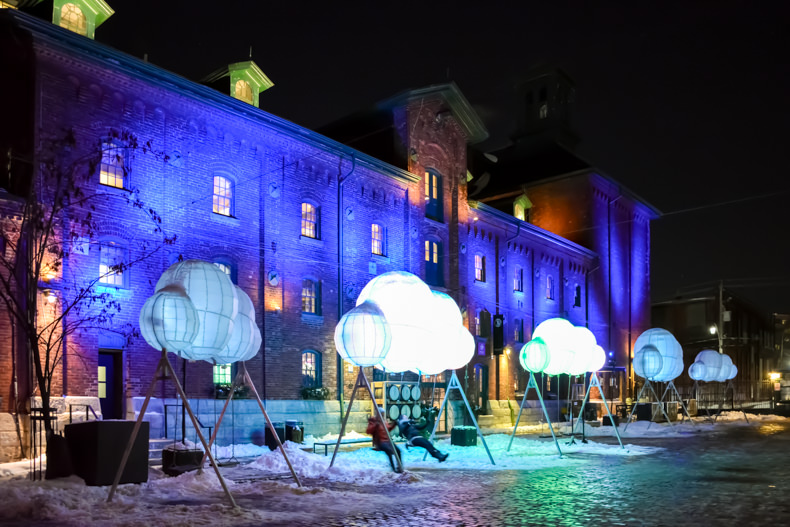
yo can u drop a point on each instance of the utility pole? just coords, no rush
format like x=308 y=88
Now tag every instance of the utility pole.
x=720 y=331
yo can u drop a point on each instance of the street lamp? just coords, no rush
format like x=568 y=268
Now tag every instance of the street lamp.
x=714 y=330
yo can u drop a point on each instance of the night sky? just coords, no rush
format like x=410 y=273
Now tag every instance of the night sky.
x=687 y=103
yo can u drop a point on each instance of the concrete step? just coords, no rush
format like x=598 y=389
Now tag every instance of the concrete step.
x=486 y=421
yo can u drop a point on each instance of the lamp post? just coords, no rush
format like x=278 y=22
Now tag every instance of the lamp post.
x=714 y=330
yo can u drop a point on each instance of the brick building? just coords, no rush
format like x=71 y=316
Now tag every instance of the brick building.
x=301 y=221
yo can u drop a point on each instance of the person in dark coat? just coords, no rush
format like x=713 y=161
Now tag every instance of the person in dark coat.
x=412 y=432
x=381 y=441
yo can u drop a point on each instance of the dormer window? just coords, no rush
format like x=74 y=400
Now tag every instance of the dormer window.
x=72 y=18
x=80 y=16
x=521 y=207
x=243 y=91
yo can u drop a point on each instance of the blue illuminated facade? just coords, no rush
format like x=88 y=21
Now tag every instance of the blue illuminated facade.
x=301 y=222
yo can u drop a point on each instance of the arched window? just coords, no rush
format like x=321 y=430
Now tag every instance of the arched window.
x=227 y=267
x=243 y=91
x=480 y=268
x=112 y=256
x=310 y=221
x=311 y=297
x=434 y=268
x=518 y=211
x=311 y=369
x=433 y=195
x=223 y=196
x=550 y=288
x=518 y=279
x=112 y=170
x=73 y=19
x=378 y=239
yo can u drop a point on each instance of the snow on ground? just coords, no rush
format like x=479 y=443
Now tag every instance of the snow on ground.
x=198 y=499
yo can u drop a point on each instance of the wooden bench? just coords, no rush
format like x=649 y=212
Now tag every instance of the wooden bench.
x=327 y=444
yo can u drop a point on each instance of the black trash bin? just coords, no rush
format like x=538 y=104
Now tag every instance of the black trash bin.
x=294 y=431
x=269 y=440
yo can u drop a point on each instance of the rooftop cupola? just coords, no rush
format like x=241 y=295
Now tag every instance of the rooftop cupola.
x=243 y=81
x=81 y=16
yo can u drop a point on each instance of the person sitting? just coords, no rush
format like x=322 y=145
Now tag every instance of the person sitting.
x=381 y=440
x=411 y=431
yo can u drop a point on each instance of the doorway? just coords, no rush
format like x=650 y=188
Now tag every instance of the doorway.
x=110 y=384
x=481 y=388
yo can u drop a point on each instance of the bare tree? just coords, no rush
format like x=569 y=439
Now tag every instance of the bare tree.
x=49 y=295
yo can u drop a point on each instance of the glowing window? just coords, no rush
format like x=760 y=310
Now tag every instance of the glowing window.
x=222 y=373
x=434 y=274
x=550 y=288
x=311 y=369
x=227 y=268
x=111 y=259
x=518 y=279
x=378 y=239
x=223 y=196
x=518 y=211
x=243 y=91
x=311 y=297
x=112 y=171
x=480 y=268
x=72 y=18
x=433 y=196
x=310 y=220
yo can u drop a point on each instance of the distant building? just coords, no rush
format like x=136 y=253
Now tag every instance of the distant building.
x=302 y=222
x=716 y=318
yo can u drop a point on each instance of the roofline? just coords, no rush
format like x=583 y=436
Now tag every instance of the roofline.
x=466 y=115
x=543 y=234
x=48 y=32
x=655 y=213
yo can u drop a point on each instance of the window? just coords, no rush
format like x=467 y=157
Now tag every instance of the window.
x=223 y=196
x=243 y=91
x=550 y=288
x=518 y=279
x=518 y=335
x=73 y=19
x=477 y=322
x=480 y=268
x=311 y=297
x=112 y=171
x=482 y=323
x=310 y=221
x=311 y=369
x=111 y=255
x=222 y=373
x=518 y=211
x=434 y=269
x=378 y=239
x=577 y=296
x=433 y=196
x=227 y=268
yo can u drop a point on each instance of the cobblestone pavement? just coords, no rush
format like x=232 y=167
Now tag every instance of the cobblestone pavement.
x=738 y=477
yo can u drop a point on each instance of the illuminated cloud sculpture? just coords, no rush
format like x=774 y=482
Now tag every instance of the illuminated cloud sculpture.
x=198 y=314
x=215 y=300
x=535 y=355
x=668 y=347
x=168 y=320
x=363 y=336
x=648 y=362
x=569 y=349
x=715 y=366
x=425 y=326
x=245 y=338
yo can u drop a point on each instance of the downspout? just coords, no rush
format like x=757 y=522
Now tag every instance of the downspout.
x=511 y=367
x=339 y=364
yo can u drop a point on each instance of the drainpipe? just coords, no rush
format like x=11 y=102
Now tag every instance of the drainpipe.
x=339 y=364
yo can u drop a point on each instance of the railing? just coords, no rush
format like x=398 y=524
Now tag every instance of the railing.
x=734 y=396
x=38 y=441
x=178 y=405
x=88 y=408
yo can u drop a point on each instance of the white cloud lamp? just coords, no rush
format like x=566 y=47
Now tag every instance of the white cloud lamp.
x=215 y=300
x=534 y=355
x=557 y=334
x=648 y=362
x=669 y=348
x=168 y=320
x=242 y=343
x=363 y=335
